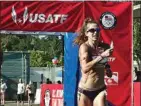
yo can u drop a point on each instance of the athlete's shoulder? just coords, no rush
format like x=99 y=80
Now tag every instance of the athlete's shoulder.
x=83 y=48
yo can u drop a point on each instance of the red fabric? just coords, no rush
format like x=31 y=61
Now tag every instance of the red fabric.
x=121 y=35
x=74 y=10
x=137 y=94
x=120 y=93
x=56 y=94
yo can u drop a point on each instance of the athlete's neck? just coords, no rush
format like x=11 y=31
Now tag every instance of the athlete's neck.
x=92 y=44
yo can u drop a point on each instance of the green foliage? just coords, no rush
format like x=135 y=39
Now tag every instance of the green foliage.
x=136 y=2
x=16 y=43
x=42 y=51
x=137 y=41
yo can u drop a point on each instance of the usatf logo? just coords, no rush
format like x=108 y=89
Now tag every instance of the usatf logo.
x=108 y=20
x=37 y=18
x=24 y=18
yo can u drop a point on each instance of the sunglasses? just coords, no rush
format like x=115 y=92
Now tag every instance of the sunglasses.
x=94 y=30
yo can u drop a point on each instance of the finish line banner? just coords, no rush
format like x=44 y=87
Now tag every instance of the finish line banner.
x=114 y=19
x=41 y=16
x=51 y=95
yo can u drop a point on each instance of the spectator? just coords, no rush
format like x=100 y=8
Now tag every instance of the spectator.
x=41 y=82
x=20 y=93
x=31 y=91
x=58 y=82
x=48 y=81
x=3 y=89
x=138 y=75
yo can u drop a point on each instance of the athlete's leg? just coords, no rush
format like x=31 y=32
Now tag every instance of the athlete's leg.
x=100 y=99
x=83 y=100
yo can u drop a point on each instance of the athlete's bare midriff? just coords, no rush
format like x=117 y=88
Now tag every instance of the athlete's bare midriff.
x=94 y=79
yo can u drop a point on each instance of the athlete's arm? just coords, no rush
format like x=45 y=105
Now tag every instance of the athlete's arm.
x=86 y=63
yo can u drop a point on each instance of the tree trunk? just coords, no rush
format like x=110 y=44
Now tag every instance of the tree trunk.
x=139 y=64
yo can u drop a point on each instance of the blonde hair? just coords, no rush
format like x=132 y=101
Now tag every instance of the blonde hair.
x=81 y=38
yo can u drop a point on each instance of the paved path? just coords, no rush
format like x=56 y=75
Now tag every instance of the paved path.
x=13 y=103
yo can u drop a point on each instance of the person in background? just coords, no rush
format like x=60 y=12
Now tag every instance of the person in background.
x=3 y=89
x=3 y=85
x=48 y=81
x=58 y=82
x=20 y=93
x=138 y=75
x=30 y=91
x=1 y=56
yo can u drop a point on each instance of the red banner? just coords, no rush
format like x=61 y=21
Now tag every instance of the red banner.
x=41 y=16
x=115 y=19
x=137 y=94
x=51 y=95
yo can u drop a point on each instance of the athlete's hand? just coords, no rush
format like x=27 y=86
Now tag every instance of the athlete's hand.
x=109 y=51
x=111 y=46
x=106 y=53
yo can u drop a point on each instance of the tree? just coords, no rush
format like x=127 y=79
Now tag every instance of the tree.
x=137 y=43
x=42 y=51
x=136 y=2
x=16 y=42
x=137 y=37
